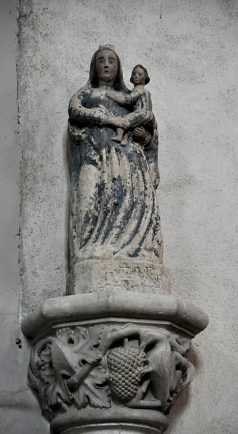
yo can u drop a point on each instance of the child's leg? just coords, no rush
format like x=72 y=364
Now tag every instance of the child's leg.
x=118 y=137
x=124 y=141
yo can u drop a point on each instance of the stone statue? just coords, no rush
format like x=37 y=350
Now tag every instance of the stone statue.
x=114 y=212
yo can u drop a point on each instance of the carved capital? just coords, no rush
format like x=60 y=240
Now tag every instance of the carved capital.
x=107 y=366
x=99 y=374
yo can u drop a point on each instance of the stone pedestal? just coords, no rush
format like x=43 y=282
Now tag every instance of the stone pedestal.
x=118 y=275
x=111 y=363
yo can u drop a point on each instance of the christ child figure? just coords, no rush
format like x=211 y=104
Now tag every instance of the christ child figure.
x=139 y=97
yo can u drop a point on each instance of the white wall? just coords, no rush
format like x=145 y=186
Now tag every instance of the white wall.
x=19 y=412
x=190 y=50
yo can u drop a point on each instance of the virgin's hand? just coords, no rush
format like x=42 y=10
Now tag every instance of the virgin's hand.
x=120 y=122
x=139 y=133
x=102 y=110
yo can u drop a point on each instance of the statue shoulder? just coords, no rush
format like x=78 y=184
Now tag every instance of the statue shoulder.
x=77 y=98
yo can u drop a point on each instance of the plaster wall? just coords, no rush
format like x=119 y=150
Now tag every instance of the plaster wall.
x=18 y=410
x=190 y=50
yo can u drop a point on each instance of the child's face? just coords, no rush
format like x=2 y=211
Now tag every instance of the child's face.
x=138 y=76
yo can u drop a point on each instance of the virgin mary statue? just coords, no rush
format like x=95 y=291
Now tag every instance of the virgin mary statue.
x=114 y=212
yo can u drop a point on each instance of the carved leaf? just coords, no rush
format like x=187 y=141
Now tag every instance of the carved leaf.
x=42 y=364
x=94 y=391
x=71 y=336
x=78 y=346
x=62 y=360
x=34 y=382
x=57 y=394
x=47 y=374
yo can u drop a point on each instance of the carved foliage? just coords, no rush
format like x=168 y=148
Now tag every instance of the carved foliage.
x=65 y=370
x=140 y=367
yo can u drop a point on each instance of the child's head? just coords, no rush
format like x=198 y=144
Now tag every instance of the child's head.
x=139 y=75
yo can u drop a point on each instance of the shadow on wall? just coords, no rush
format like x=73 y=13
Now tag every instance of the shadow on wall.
x=68 y=165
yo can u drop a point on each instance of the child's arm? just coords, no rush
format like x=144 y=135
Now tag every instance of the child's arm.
x=133 y=97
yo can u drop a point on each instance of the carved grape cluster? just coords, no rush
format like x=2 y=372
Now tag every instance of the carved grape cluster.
x=125 y=366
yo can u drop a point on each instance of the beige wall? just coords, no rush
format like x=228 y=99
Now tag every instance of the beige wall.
x=190 y=50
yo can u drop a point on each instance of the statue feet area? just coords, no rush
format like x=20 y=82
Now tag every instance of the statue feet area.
x=110 y=363
x=122 y=274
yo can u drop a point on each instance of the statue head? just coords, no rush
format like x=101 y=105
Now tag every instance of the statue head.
x=106 y=65
x=139 y=73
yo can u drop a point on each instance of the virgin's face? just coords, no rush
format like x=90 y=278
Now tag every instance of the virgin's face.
x=106 y=65
x=138 y=75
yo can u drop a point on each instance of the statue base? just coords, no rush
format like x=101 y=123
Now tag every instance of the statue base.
x=113 y=363
x=118 y=275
